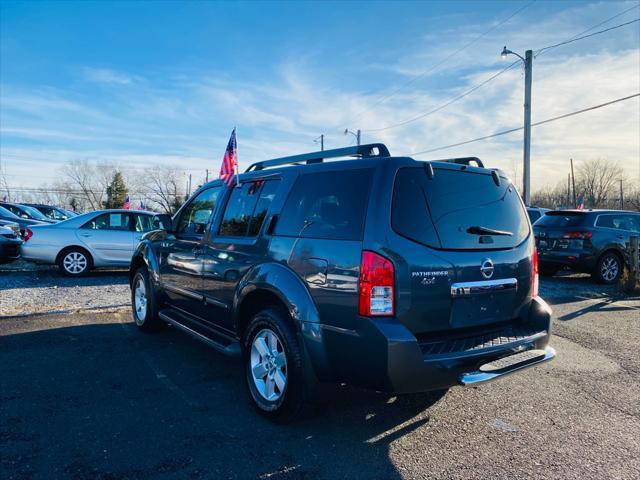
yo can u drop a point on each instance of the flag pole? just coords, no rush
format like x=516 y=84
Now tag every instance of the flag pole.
x=237 y=161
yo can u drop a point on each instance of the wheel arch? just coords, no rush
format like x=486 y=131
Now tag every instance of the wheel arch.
x=68 y=248
x=272 y=284
x=145 y=256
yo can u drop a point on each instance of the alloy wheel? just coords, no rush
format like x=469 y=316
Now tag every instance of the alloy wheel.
x=268 y=364
x=609 y=268
x=75 y=262
x=140 y=300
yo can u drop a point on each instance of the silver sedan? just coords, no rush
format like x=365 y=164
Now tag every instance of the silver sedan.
x=104 y=238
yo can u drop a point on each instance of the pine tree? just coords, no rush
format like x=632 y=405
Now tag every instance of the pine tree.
x=116 y=192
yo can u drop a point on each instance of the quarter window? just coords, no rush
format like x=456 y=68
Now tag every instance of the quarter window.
x=247 y=208
x=144 y=223
x=327 y=205
x=195 y=216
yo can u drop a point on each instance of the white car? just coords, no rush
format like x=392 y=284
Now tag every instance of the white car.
x=104 y=238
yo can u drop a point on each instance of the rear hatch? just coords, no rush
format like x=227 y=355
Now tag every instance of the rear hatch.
x=561 y=230
x=462 y=251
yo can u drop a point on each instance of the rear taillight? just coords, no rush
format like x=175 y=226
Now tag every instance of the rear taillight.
x=28 y=233
x=376 y=285
x=577 y=235
x=534 y=273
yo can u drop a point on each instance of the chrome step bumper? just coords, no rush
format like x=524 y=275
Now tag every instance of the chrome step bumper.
x=506 y=365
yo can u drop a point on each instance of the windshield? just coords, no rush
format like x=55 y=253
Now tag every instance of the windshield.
x=6 y=213
x=458 y=209
x=33 y=213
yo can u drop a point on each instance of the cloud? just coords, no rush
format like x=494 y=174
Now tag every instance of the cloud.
x=108 y=76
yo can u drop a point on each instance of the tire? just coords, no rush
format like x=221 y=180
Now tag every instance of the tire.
x=273 y=365
x=75 y=262
x=144 y=306
x=608 y=269
x=548 y=270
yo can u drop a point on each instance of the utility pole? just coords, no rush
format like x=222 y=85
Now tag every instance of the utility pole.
x=189 y=184
x=358 y=137
x=573 y=180
x=568 y=189
x=528 y=71
x=528 y=67
x=207 y=177
x=321 y=138
x=621 y=196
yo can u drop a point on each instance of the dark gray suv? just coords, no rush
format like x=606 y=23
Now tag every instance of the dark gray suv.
x=591 y=241
x=382 y=272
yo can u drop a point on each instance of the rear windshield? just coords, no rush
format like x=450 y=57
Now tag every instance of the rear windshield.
x=561 y=219
x=455 y=208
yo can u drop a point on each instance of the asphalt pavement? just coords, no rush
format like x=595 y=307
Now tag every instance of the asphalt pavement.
x=86 y=396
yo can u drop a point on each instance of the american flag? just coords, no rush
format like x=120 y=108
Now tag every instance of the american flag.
x=230 y=161
x=127 y=203
x=141 y=207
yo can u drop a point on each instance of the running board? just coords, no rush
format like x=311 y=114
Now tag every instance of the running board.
x=202 y=333
x=506 y=365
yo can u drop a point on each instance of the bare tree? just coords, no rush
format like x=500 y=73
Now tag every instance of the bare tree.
x=89 y=181
x=596 y=180
x=163 y=186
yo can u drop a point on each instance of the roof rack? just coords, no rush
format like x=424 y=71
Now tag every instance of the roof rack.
x=463 y=161
x=372 y=150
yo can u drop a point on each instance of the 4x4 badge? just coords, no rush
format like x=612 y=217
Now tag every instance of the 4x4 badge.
x=486 y=268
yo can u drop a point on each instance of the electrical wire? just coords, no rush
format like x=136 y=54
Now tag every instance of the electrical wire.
x=542 y=122
x=493 y=77
x=422 y=74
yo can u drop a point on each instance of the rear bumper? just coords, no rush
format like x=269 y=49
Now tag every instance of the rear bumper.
x=39 y=253
x=384 y=355
x=10 y=249
x=581 y=260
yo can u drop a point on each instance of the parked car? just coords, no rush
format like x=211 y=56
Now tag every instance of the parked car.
x=382 y=272
x=591 y=241
x=10 y=243
x=52 y=213
x=23 y=223
x=104 y=238
x=24 y=211
x=536 y=212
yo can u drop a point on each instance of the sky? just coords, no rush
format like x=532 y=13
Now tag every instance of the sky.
x=146 y=83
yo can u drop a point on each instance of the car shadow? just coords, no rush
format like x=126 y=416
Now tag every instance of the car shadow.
x=54 y=278
x=105 y=401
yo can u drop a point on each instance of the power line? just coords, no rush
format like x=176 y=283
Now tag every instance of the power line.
x=587 y=36
x=598 y=25
x=420 y=75
x=511 y=130
x=493 y=77
x=449 y=102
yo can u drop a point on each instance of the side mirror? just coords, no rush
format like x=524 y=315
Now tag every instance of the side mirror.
x=163 y=222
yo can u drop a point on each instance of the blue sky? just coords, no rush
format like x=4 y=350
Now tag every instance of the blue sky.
x=141 y=83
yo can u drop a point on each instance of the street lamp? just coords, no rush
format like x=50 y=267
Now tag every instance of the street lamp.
x=355 y=134
x=526 y=171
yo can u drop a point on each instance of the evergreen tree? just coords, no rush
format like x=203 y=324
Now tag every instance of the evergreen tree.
x=116 y=192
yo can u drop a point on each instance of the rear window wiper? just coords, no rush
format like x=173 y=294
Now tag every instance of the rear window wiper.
x=478 y=230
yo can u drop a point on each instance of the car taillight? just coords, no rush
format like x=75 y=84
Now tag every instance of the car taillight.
x=577 y=235
x=376 y=285
x=534 y=273
x=28 y=233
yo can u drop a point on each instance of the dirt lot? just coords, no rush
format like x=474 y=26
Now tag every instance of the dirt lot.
x=86 y=396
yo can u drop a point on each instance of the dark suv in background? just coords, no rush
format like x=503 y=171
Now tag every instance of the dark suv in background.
x=382 y=272
x=590 y=241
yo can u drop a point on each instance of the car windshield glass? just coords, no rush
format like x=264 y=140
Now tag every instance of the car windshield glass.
x=33 y=212
x=561 y=219
x=6 y=213
x=457 y=209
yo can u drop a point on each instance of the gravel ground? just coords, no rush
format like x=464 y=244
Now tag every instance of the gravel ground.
x=86 y=396
x=27 y=289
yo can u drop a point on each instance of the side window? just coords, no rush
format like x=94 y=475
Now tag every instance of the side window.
x=195 y=216
x=247 y=208
x=109 y=221
x=631 y=223
x=144 y=223
x=618 y=221
x=327 y=205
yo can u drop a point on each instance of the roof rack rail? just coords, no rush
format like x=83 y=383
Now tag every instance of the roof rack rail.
x=463 y=161
x=372 y=150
